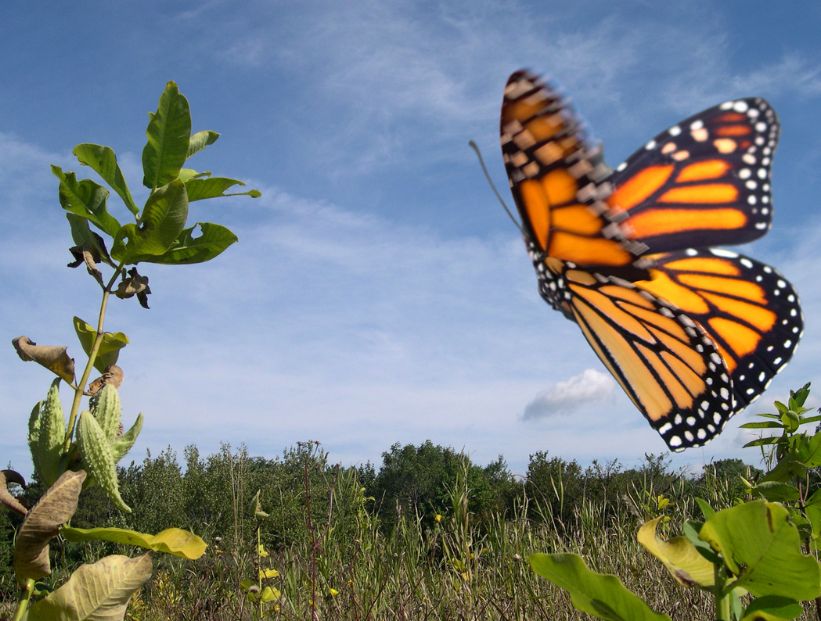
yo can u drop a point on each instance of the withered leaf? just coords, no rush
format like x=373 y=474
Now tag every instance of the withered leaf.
x=42 y=524
x=134 y=284
x=82 y=255
x=6 y=477
x=54 y=357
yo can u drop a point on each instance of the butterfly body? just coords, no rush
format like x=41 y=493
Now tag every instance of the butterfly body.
x=691 y=333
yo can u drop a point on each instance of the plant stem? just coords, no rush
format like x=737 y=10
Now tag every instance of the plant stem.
x=92 y=356
x=23 y=604
x=259 y=566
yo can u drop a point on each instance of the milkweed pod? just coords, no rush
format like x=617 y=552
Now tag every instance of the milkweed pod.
x=50 y=431
x=106 y=409
x=98 y=458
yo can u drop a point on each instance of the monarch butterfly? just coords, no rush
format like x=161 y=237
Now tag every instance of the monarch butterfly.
x=692 y=333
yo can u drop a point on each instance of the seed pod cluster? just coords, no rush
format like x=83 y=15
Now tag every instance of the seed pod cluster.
x=102 y=443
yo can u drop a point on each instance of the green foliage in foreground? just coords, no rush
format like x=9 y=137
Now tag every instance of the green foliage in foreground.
x=83 y=451
x=757 y=559
x=338 y=540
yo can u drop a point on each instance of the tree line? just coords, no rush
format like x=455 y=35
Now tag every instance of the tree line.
x=211 y=495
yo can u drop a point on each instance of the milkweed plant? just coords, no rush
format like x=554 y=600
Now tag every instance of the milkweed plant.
x=72 y=454
x=757 y=558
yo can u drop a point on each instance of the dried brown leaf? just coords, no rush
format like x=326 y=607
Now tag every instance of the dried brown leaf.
x=6 y=477
x=56 y=507
x=54 y=357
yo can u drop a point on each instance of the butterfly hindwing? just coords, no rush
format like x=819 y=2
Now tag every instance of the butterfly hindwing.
x=749 y=310
x=703 y=182
x=664 y=361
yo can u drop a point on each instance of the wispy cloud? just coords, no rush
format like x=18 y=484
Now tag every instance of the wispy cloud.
x=791 y=74
x=570 y=394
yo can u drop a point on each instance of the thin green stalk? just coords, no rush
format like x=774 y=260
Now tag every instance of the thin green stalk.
x=723 y=596
x=259 y=567
x=92 y=356
x=23 y=604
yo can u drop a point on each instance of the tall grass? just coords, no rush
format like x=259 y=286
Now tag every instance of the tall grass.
x=339 y=563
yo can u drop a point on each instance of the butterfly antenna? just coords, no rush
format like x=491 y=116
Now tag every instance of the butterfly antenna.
x=492 y=185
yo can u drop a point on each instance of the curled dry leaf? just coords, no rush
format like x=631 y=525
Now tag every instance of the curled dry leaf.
x=134 y=284
x=54 y=357
x=6 y=477
x=56 y=507
x=82 y=255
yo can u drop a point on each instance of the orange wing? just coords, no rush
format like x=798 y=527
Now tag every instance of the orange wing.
x=691 y=336
x=664 y=361
x=749 y=310
x=703 y=182
x=558 y=181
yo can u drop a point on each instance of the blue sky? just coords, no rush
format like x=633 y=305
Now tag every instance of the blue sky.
x=378 y=293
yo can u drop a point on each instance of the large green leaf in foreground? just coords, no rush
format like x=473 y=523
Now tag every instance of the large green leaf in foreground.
x=680 y=557
x=601 y=595
x=763 y=549
x=97 y=592
x=173 y=541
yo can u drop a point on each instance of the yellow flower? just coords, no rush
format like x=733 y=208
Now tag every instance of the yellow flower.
x=438 y=518
x=333 y=592
x=268 y=573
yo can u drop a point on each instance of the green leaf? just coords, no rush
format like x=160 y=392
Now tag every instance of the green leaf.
x=103 y=160
x=776 y=491
x=761 y=442
x=772 y=608
x=86 y=199
x=85 y=238
x=813 y=512
x=189 y=173
x=787 y=469
x=42 y=523
x=603 y=596
x=680 y=557
x=162 y=221
x=799 y=397
x=96 y=592
x=810 y=419
x=762 y=548
x=109 y=350
x=691 y=528
x=808 y=449
x=174 y=541
x=706 y=510
x=200 y=140
x=215 y=187
x=168 y=132
x=211 y=242
x=762 y=425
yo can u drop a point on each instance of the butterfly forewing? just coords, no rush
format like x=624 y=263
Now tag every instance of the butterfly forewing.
x=558 y=181
x=703 y=182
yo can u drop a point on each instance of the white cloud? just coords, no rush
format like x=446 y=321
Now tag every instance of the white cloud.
x=570 y=395
x=790 y=74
